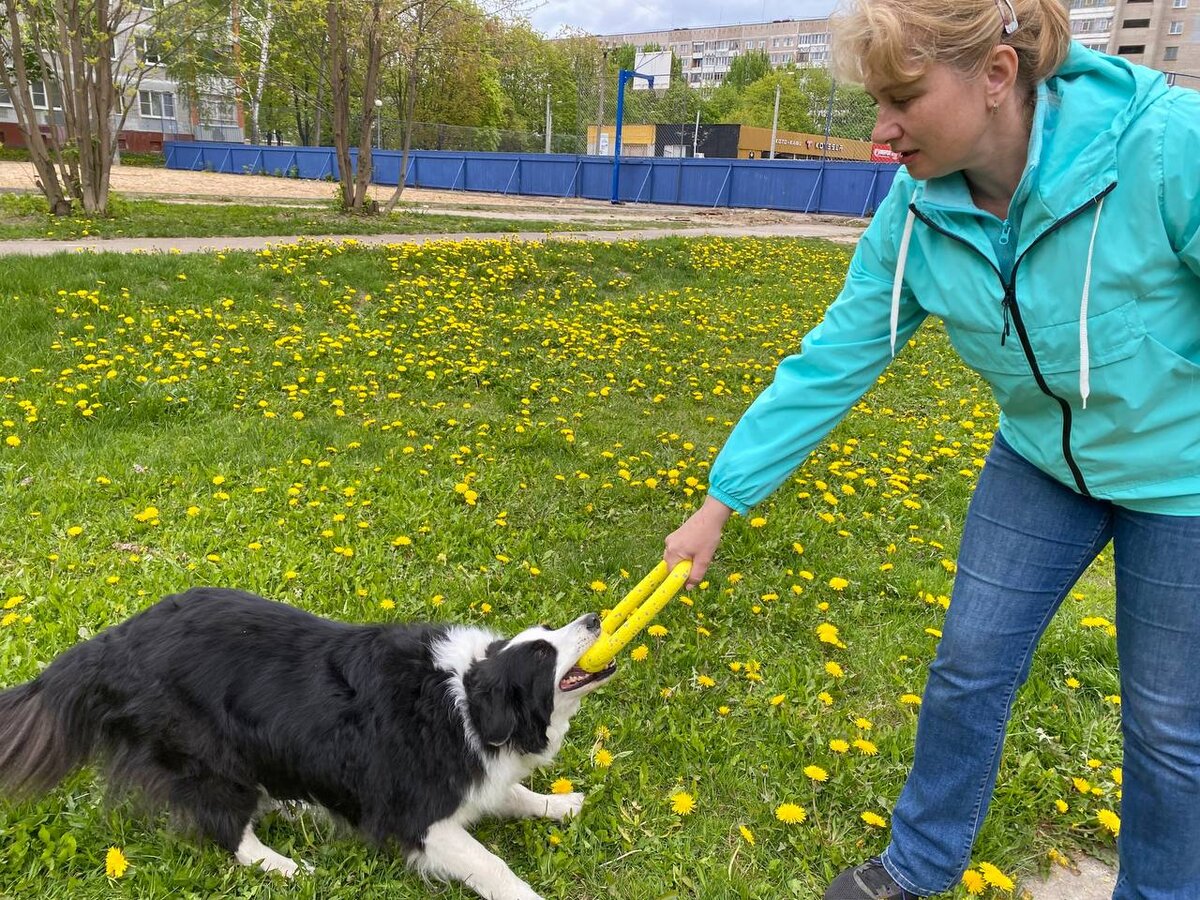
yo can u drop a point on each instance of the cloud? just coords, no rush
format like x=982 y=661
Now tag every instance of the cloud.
x=621 y=16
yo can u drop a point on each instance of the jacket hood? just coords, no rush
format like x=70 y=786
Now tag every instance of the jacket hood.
x=1090 y=102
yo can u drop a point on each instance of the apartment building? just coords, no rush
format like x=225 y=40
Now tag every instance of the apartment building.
x=707 y=53
x=1162 y=34
x=160 y=112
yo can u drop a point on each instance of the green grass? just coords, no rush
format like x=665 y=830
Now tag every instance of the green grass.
x=27 y=216
x=292 y=415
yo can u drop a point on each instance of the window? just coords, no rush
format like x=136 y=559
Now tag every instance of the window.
x=217 y=110
x=1180 y=4
x=1176 y=28
x=1131 y=49
x=1170 y=54
x=157 y=104
x=1136 y=23
x=148 y=51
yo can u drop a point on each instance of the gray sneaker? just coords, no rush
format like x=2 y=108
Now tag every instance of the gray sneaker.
x=868 y=881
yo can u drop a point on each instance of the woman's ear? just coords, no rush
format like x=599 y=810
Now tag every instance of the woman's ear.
x=1001 y=74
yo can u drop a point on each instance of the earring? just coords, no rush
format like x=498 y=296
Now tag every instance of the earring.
x=995 y=106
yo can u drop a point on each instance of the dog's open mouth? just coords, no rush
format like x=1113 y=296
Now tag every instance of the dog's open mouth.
x=577 y=677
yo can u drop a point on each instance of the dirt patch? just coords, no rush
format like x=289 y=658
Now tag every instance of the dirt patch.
x=177 y=184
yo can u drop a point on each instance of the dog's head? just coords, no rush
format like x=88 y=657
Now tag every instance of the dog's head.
x=524 y=690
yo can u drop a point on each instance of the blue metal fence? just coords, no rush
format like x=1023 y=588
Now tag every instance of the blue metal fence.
x=815 y=186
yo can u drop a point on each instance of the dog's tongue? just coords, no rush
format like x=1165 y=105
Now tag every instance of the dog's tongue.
x=577 y=677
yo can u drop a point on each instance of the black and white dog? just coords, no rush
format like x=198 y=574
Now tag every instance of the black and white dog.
x=212 y=700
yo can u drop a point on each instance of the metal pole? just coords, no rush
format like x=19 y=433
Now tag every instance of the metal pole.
x=623 y=77
x=775 y=120
x=696 y=133
x=548 y=121
x=600 y=105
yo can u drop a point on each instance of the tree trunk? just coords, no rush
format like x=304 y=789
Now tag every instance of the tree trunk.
x=264 y=56
x=339 y=90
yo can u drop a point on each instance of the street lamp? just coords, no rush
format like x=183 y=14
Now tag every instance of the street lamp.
x=378 y=124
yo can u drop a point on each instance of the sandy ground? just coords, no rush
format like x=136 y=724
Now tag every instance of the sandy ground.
x=134 y=181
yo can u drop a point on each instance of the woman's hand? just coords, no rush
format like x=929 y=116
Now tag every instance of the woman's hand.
x=697 y=539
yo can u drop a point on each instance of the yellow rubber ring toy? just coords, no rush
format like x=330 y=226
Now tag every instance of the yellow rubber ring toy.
x=631 y=615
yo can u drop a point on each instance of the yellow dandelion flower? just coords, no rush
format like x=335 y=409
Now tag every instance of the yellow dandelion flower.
x=828 y=634
x=838 y=584
x=1082 y=785
x=656 y=631
x=387 y=604
x=778 y=699
x=598 y=586
x=865 y=747
x=705 y=681
x=722 y=710
x=1110 y=820
x=874 y=819
x=837 y=745
x=864 y=724
x=682 y=803
x=603 y=758
x=790 y=814
x=833 y=669
x=561 y=786
x=13 y=441
x=995 y=877
x=747 y=834
x=910 y=699
x=758 y=522
x=973 y=882
x=639 y=653
x=826 y=698
x=1073 y=683
x=75 y=531
x=816 y=773
x=115 y=863
x=1118 y=776
x=1061 y=805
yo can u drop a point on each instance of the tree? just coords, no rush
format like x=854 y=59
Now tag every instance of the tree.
x=87 y=58
x=756 y=105
x=345 y=46
x=746 y=69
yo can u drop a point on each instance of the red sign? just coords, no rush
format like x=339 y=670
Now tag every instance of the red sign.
x=883 y=153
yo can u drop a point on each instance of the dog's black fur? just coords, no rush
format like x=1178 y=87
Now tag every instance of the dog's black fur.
x=210 y=695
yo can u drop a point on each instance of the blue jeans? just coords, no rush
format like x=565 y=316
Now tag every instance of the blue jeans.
x=1026 y=540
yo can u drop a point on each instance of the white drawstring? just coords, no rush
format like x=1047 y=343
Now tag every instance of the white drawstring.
x=1085 y=386
x=898 y=281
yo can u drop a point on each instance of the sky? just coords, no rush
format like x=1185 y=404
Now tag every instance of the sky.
x=619 y=16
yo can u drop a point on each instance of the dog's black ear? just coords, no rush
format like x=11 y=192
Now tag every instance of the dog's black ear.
x=491 y=710
x=510 y=696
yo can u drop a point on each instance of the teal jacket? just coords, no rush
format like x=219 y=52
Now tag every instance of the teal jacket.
x=1082 y=312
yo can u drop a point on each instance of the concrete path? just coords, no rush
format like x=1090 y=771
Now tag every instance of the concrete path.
x=847 y=234
x=1093 y=881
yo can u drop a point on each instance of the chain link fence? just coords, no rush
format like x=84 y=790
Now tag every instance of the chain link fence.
x=840 y=114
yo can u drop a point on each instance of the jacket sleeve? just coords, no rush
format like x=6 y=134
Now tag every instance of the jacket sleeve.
x=1180 y=197
x=839 y=360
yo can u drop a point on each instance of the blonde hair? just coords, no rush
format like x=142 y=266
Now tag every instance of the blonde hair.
x=895 y=41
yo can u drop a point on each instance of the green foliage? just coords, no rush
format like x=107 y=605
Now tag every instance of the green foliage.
x=746 y=69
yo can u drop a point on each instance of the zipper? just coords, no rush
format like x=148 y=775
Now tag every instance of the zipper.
x=1011 y=312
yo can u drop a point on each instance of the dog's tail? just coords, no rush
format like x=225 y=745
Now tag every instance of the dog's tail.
x=46 y=731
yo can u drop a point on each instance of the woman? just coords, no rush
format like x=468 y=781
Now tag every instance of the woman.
x=1050 y=215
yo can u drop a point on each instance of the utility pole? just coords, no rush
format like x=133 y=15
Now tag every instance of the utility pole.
x=600 y=105
x=550 y=120
x=775 y=120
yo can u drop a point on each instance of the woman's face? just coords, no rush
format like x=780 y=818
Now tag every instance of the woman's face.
x=938 y=124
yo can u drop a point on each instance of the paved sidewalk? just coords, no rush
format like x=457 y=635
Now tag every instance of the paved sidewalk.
x=1093 y=881
x=847 y=234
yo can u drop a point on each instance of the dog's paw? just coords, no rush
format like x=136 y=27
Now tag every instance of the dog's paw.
x=563 y=806
x=524 y=892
